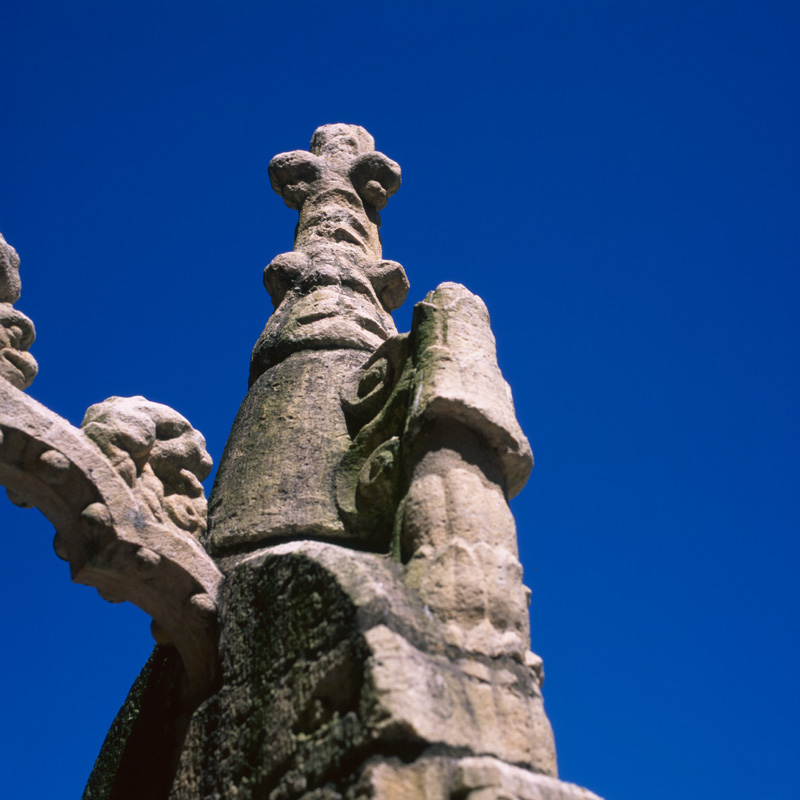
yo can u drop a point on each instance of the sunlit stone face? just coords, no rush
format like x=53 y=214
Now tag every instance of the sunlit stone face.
x=329 y=317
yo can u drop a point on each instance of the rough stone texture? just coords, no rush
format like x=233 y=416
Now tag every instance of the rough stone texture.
x=338 y=188
x=328 y=659
x=436 y=453
x=332 y=297
x=335 y=291
x=327 y=297
x=457 y=379
x=472 y=778
x=148 y=730
x=158 y=454
x=10 y=286
x=124 y=496
x=370 y=638
x=17 y=334
x=108 y=532
x=276 y=476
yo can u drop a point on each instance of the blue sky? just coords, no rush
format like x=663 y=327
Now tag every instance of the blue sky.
x=618 y=181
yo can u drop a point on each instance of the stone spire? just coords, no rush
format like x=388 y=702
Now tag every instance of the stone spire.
x=334 y=291
x=332 y=296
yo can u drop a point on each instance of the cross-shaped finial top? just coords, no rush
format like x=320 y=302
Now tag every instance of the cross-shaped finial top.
x=338 y=188
x=334 y=291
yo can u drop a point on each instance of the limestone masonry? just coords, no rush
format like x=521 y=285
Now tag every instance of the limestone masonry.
x=347 y=618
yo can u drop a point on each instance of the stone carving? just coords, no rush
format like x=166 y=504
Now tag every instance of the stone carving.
x=333 y=666
x=374 y=633
x=109 y=534
x=17 y=333
x=370 y=638
x=332 y=297
x=10 y=285
x=334 y=291
x=124 y=495
x=437 y=452
x=158 y=454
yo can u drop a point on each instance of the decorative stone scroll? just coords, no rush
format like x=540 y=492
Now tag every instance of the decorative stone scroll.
x=124 y=495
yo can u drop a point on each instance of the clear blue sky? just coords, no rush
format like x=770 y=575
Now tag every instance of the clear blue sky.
x=619 y=182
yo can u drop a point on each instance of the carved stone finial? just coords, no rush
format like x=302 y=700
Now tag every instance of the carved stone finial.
x=17 y=333
x=334 y=291
x=333 y=296
x=338 y=188
x=373 y=624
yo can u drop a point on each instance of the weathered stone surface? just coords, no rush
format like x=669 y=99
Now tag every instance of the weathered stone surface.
x=332 y=296
x=147 y=730
x=436 y=453
x=327 y=297
x=10 y=286
x=17 y=334
x=471 y=778
x=458 y=703
x=334 y=291
x=338 y=187
x=458 y=537
x=328 y=658
x=158 y=454
x=287 y=712
x=115 y=536
x=373 y=624
x=275 y=478
x=457 y=379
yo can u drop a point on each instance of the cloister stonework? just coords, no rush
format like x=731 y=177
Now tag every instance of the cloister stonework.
x=345 y=618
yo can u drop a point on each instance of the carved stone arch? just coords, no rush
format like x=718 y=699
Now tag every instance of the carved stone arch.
x=110 y=539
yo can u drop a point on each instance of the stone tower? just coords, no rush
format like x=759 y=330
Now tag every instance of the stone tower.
x=348 y=620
